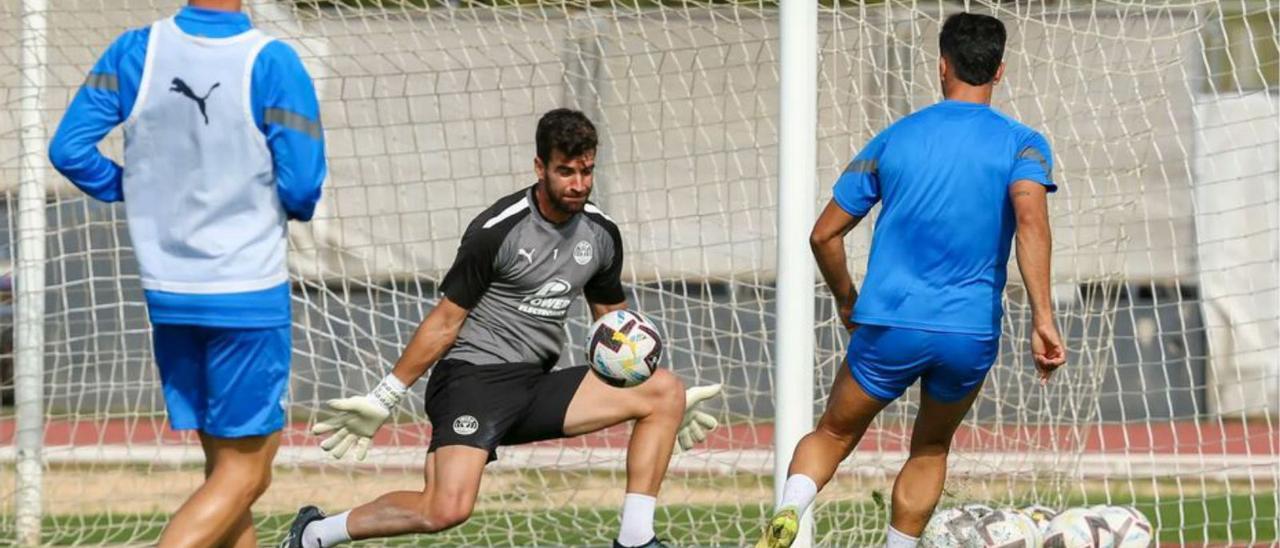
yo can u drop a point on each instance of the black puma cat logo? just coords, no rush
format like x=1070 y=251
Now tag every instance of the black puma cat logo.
x=182 y=87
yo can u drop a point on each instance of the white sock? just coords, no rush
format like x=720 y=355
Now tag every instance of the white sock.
x=637 y=519
x=330 y=531
x=798 y=492
x=898 y=539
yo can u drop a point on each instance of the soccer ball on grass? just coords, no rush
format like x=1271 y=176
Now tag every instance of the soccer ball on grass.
x=1078 y=528
x=949 y=528
x=1130 y=528
x=1006 y=529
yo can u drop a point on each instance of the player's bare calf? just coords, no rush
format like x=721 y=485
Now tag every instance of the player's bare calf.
x=452 y=473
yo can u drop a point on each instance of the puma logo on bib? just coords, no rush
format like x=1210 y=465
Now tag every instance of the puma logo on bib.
x=181 y=87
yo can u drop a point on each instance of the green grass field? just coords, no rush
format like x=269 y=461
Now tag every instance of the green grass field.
x=1240 y=519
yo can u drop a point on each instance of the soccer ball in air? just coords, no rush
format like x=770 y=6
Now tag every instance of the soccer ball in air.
x=1006 y=529
x=624 y=349
x=1130 y=528
x=1078 y=528
x=1039 y=514
x=950 y=528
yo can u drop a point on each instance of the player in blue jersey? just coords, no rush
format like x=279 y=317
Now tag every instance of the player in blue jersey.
x=222 y=145
x=955 y=182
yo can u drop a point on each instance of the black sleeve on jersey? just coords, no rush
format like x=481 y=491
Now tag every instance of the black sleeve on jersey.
x=606 y=286
x=474 y=267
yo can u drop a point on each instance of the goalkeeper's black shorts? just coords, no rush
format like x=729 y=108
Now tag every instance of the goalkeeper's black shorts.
x=485 y=406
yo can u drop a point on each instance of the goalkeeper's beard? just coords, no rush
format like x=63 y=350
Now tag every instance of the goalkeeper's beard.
x=558 y=201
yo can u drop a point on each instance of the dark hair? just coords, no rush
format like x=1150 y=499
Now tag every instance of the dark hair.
x=973 y=45
x=566 y=130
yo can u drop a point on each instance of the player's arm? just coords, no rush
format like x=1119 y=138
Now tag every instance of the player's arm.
x=357 y=418
x=600 y=309
x=604 y=291
x=432 y=339
x=1035 y=245
x=288 y=114
x=96 y=110
x=1032 y=182
x=827 y=243
x=855 y=193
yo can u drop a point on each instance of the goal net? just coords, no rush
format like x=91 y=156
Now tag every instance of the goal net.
x=1163 y=121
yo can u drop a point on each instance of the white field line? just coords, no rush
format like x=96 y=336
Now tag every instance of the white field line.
x=753 y=461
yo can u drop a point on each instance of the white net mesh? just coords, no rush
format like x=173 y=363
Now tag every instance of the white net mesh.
x=1154 y=112
x=1162 y=117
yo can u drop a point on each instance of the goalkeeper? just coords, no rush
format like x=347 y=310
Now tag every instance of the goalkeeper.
x=490 y=343
x=955 y=181
x=222 y=144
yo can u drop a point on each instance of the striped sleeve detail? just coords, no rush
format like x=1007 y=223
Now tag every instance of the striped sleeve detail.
x=506 y=213
x=102 y=81
x=1032 y=153
x=292 y=120
x=591 y=208
x=861 y=166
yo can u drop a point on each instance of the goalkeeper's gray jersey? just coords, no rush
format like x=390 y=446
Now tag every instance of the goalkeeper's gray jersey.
x=518 y=273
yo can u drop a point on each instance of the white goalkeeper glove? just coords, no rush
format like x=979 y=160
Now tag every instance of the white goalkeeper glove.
x=697 y=424
x=358 y=418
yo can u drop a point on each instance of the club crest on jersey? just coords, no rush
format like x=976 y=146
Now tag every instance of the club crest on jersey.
x=582 y=252
x=465 y=425
x=551 y=300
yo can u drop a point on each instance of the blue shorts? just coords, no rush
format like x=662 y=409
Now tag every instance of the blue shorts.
x=887 y=360
x=225 y=382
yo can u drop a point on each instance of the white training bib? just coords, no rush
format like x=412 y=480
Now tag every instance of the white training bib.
x=199 y=184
